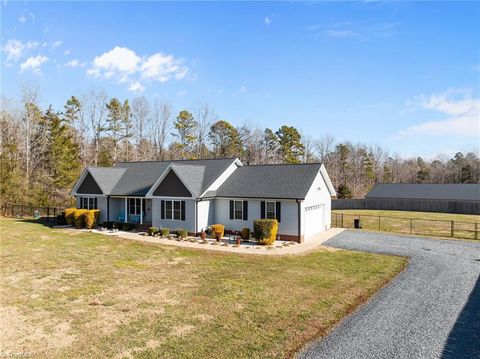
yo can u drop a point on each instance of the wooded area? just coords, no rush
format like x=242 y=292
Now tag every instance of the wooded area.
x=44 y=150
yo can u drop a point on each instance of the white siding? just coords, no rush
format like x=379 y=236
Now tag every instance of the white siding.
x=288 y=224
x=317 y=219
x=188 y=224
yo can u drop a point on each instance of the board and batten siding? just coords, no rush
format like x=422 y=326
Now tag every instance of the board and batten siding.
x=188 y=223
x=205 y=214
x=288 y=224
x=101 y=205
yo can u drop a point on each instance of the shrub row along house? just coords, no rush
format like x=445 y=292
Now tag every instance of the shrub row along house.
x=194 y=194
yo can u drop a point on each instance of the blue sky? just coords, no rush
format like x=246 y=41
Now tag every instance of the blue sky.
x=404 y=75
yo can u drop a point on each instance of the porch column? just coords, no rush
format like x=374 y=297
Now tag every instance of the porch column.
x=126 y=215
x=141 y=210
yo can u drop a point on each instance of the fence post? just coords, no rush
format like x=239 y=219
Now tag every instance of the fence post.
x=476 y=230
x=342 y=221
x=379 y=222
x=411 y=225
x=452 y=228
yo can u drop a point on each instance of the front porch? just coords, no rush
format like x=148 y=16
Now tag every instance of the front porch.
x=134 y=210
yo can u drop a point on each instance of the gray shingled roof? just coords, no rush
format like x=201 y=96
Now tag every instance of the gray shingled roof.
x=136 y=178
x=270 y=181
x=462 y=192
x=106 y=177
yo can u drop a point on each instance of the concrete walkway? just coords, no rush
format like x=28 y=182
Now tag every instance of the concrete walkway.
x=277 y=249
x=431 y=310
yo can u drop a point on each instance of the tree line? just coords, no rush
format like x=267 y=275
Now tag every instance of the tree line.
x=44 y=150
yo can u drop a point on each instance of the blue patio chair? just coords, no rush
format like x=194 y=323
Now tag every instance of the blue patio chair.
x=121 y=217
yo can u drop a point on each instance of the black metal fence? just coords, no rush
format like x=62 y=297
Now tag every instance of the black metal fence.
x=48 y=214
x=428 y=227
x=387 y=204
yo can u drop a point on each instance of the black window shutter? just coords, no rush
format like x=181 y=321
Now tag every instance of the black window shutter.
x=182 y=207
x=262 y=209
x=278 y=210
x=245 y=210
x=162 y=210
x=95 y=203
x=231 y=209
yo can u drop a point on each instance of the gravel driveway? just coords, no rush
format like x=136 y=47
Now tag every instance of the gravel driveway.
x=431 y=310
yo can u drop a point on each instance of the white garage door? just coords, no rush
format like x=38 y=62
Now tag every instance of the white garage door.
x=314 y=218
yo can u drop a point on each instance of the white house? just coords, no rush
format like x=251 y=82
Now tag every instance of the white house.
x=194 y=194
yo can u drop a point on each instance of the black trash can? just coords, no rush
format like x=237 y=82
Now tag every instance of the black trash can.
x=356 y=224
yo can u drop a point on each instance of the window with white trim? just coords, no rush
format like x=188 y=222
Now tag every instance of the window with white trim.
x=134 y=206
x=88 y=203
x=238 y=210
x=270 y=210
x=173 y=210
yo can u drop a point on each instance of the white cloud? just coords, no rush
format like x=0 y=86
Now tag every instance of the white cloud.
x=32 y=16
x=14 y=49
x=268 y=20
x=182 y=93
x=341 y=33
x=125 y=66
x=22 y=19
x=75 y=63
x=360 y=30
x=66 y=52
x=160 y=67
x=136 y=87
x=56 y=44
x=461 y=115
x=34 y=63
x=241 y=90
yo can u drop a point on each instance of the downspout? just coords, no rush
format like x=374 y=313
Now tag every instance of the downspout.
x=299 y=215
x=108 y=208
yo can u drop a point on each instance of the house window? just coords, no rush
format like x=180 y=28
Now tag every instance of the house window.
x=238 y=209
x=173 y=210
x=134 y=206
x=168 y=209
x=88 y=203
x=176 y=210
x=270 y=210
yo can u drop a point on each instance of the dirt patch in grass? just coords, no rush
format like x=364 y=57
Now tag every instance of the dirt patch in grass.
x=90 y=295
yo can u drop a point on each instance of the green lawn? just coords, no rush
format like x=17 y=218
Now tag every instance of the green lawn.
x=66 y=293
x=424 y=223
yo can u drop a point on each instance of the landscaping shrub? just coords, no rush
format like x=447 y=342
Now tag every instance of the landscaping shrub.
x=128 y=227
x=164 y=232
x=79 y=218
x=61 y=219
x=218 y=230
x=152 y=231
x=91 y=218
x=108 y=224
x=69 y=215
x=265 y=230
x=118 y=225
x=182 y=233
x=245 y=233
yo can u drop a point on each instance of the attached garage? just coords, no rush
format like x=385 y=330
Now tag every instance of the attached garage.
x=314 y=220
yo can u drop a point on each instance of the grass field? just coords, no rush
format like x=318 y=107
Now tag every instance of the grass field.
x=72 y=294
x=424 y=223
